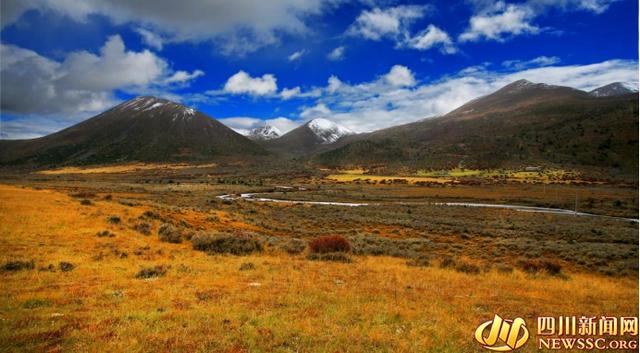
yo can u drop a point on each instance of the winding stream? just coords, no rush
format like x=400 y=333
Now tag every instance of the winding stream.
x=533 y=209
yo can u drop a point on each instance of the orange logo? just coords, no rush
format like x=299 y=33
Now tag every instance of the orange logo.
x=504 y=335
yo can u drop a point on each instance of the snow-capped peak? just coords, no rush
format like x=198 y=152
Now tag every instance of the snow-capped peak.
x=153 y=106
x=265 y=132
x=328 y=131
x=614 y=89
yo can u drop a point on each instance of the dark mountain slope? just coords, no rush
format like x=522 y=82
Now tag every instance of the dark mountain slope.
x=522 y=124
x=142 y=129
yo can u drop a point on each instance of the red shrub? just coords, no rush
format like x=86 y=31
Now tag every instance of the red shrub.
x=329 y=243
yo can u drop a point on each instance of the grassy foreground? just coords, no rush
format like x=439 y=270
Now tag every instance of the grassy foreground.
x=285 y=304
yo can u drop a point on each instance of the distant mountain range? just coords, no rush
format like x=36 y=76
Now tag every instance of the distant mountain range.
x=522 y=124
x=265 y=132
x=313 y=136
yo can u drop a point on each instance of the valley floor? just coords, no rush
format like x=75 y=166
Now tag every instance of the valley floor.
x=275 y=301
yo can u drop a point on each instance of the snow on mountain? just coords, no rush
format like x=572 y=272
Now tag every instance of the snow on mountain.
x=155 y=105
x=328 y=131
x=265 y=132
x=614 y=89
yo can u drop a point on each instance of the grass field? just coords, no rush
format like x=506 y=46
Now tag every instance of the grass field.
x=284 y=302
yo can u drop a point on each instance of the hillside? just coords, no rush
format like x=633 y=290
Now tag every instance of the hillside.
x=142 y=129
x=520 y=125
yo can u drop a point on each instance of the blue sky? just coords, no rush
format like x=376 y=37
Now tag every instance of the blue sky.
x=364 y=64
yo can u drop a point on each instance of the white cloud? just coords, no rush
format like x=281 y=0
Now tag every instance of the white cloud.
x=244 y=125
x=83 y=82
x=151 y=39
x=392 y=22
x=400 y=76
x=377 y=104
x=336 y=54
x=595 y=6
x=506 y=20
x=238 y=27
x=242 y=83
x=317 y=111
x=288 y=93
x=535 y=62
x=59 y=93
x=333 y=84
x=283 y=124
x=184 y=76
x=430 y=37
x=296 y=55
x=497 y=20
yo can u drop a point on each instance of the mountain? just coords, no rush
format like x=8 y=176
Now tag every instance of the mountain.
x=315 y=135
x=265 y=132
x=520 y=125
x=614 y=89
x=145 y=129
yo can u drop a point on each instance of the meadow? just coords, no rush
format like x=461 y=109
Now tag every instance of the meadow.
x=152 y=260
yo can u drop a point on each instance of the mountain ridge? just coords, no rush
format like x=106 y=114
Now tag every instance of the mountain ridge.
x=142 y=129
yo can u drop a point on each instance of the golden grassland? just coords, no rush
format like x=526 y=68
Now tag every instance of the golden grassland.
x=286 y=304
x=122 y=168
x=453 y=176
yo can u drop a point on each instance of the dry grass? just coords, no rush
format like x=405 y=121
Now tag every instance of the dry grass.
x=286 y=304
x=122 y=168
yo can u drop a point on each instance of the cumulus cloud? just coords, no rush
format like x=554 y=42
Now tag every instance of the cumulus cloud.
x=430 y=37
x=296 y=55
x=319 y=110
x=506 y=20
x=244 y=125
x=238 y=27
x=243 y=83
x=333 y=84
x=288 y=93
x=378 y=104
x=400 y=76
x=151 y=39
x=392 y=22
x=336 y=54
x=535 y=62
x=81 y=84
x=184 y=76
x=499 y=21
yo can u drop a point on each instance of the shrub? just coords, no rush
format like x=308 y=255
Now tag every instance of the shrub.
x=467 y=268
x=12 y=266
x=294 y=246
x=113 y=220
x=66 y=266
x=149 y=272
x=502 y=268
x=150 y=214
x=36 y=303
x=536 y=266
x=420 y=261
x=169 y=234
x=447 y=262
x=221 y=244
x=105 y=233
x=143 y=228
x=329 y=244
x=331 y=256
x=247 y=266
